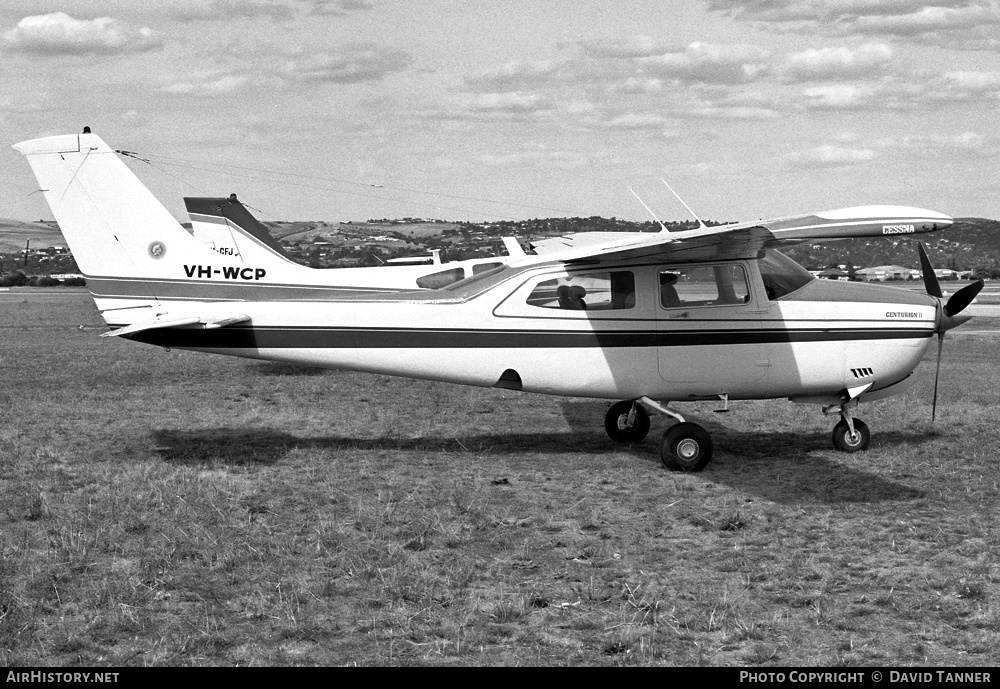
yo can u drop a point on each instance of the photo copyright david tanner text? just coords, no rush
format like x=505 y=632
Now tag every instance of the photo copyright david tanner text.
x=892 y=676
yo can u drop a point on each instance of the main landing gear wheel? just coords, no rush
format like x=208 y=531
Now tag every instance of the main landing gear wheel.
x=686 y=447
x=616 y=423
x=845 y=441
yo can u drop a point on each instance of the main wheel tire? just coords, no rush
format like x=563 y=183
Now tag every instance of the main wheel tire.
x=845 y=442
x=686 y=447
x=616 y=423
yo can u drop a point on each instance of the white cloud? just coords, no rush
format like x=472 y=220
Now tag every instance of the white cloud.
x=542 y=157
x=830 y=156
x=636 y=121
x=348 y=64
x=838 y=63
x=339 y=7
x=941 y=144
x=833 y=10
x=928 y=21
x=508 y=103
x=60 y=34
x=836 y=97
x=276 y=10
x=514 y=76
x=631 y=47
x=973 y=22
x=207 y=85
x=966 y=85
x=268 y=67
x=709 y=63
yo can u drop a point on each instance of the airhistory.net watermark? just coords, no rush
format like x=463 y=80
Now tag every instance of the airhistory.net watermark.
x=62 y=677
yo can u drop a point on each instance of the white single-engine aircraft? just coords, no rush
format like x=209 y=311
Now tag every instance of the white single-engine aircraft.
x=707 y=314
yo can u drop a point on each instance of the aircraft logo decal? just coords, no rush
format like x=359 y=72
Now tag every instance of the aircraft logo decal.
x=898 y=229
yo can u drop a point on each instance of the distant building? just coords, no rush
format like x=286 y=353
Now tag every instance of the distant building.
x=882 y=273
x=946 y=274
x=834 y=274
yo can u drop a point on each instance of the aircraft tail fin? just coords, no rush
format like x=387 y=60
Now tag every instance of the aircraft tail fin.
x=114 y=226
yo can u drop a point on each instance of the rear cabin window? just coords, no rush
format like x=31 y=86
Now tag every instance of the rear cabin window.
x=441 y=278
x=483 y=267
x=682 y=286
x=588 y=292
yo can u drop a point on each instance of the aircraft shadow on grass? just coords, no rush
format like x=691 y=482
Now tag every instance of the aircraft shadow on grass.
x=269 y=446
x=279 y=368
x=786 y=468
x=791 y=467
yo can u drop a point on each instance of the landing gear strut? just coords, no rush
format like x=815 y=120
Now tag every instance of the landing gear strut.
x=850 y=435
x=847 y=439
x=627 y=422
x=685 y=446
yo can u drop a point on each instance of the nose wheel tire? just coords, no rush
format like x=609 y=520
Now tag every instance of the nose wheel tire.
x=686 y=447
x=845 y=441
x=616 y=423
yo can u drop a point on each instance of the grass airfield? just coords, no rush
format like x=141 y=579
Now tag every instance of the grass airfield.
x=174 y=508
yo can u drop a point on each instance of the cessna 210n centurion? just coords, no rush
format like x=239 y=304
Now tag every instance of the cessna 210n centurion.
x=714 y=313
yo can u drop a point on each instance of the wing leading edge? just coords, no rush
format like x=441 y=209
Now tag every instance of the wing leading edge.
x=746 y=240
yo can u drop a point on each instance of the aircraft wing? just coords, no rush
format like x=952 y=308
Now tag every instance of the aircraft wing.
x=550 y=245
x=745 y=240
x=167 y=320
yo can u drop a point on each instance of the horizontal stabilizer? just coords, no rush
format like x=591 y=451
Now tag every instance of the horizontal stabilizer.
x=166 y=320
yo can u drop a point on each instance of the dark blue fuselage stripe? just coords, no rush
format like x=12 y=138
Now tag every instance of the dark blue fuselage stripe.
x=238 y=337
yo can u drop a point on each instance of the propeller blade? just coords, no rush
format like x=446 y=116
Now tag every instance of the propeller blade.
x=930 y=278
x=937 y=375
x=962 y=298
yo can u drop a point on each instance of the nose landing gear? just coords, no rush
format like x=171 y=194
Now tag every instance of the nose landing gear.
x=850 y=434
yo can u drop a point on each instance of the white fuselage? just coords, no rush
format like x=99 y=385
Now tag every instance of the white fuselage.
x=509 y=330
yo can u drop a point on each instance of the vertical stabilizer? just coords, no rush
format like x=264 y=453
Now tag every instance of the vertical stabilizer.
x=114 y=226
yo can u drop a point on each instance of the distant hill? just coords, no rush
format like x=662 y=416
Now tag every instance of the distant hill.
x=299 y=231
x=970 y=244
x=14 y=234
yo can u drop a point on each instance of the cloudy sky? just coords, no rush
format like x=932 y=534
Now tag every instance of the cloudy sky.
x=352 y=109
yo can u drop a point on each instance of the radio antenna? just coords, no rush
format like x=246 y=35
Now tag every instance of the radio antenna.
x=701 y=225
x=648 y=210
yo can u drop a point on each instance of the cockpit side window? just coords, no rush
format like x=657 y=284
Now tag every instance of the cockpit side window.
x=586 y=292
x=708 y=285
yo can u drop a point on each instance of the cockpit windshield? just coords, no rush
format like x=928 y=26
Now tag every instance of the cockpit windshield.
x=782 y=275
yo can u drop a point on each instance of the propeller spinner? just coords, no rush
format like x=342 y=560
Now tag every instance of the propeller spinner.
x=950 y=311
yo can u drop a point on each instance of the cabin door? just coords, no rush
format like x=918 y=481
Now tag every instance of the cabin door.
x=709 y=333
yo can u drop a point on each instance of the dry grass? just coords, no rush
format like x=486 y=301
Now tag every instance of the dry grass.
x=179 y=509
